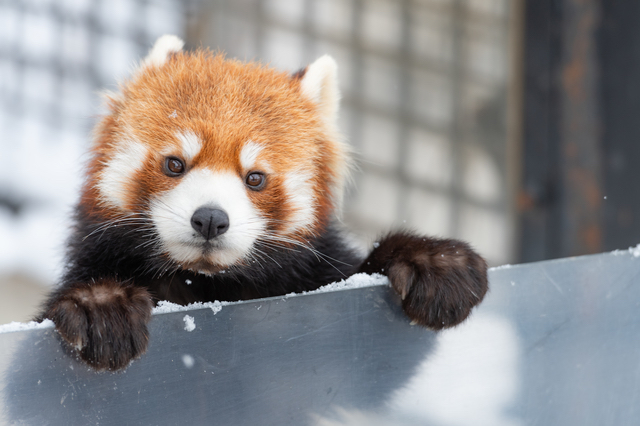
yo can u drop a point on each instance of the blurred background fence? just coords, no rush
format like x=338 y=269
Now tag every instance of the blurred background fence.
x=425 y=98
x=478 y=119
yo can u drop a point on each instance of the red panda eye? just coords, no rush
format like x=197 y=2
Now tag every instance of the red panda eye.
x=173 y=166
x=255 y=181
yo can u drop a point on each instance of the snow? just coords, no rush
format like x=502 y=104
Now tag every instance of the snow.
x=498 y=268
x=189 y=323
x=21 y=326
x=355 y=281
x=634 y=251
x=47 y=184
x=188 y=361
x=165 y=307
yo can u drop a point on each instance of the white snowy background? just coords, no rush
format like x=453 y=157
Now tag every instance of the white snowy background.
x=55 y=55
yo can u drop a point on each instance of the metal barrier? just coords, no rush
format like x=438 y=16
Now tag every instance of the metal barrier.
x=554 y=343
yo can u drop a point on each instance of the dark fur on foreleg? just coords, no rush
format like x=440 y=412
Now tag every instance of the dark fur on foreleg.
x=439 y=280
x=105 y=321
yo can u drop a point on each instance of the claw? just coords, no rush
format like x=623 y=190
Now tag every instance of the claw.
x=402 y=277
x=404 y=292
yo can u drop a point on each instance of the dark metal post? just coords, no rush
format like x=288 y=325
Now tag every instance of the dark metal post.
x=560 y=200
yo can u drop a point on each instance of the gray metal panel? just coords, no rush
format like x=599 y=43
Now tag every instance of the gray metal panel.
x=555 y=343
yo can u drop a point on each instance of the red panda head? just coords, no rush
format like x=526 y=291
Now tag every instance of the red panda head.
x=219 y=155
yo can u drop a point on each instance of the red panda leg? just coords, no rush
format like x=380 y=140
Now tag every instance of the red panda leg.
x=440 y=281
x=104 y=321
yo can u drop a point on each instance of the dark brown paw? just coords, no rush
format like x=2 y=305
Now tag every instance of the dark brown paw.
x=105 y=322
x=440 y=281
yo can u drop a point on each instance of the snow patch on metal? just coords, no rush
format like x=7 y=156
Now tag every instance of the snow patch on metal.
x=22 y=326
x=634 y=251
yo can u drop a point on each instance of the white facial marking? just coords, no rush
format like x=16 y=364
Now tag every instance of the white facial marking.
x=162 y=48
x=171 y=213
x=299 y=187
x=119 y=171
x=249 y=155
x=190 y=143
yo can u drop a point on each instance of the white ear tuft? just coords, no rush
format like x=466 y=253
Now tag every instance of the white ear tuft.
x=320 y=84
x=163 y=47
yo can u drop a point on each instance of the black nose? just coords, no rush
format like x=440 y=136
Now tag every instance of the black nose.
x=210 y=222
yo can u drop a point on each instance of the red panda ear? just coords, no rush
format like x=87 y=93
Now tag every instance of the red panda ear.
x=161 y=51
x=319 y=83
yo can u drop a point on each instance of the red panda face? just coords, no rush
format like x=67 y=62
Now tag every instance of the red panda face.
x=220 y=157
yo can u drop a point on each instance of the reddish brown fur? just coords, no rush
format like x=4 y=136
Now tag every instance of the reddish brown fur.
x=225 y=103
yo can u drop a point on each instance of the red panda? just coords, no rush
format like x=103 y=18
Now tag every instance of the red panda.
x=228 y=176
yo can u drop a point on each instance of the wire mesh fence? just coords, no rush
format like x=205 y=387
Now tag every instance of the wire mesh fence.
x=54 y=58
x=425 y=97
